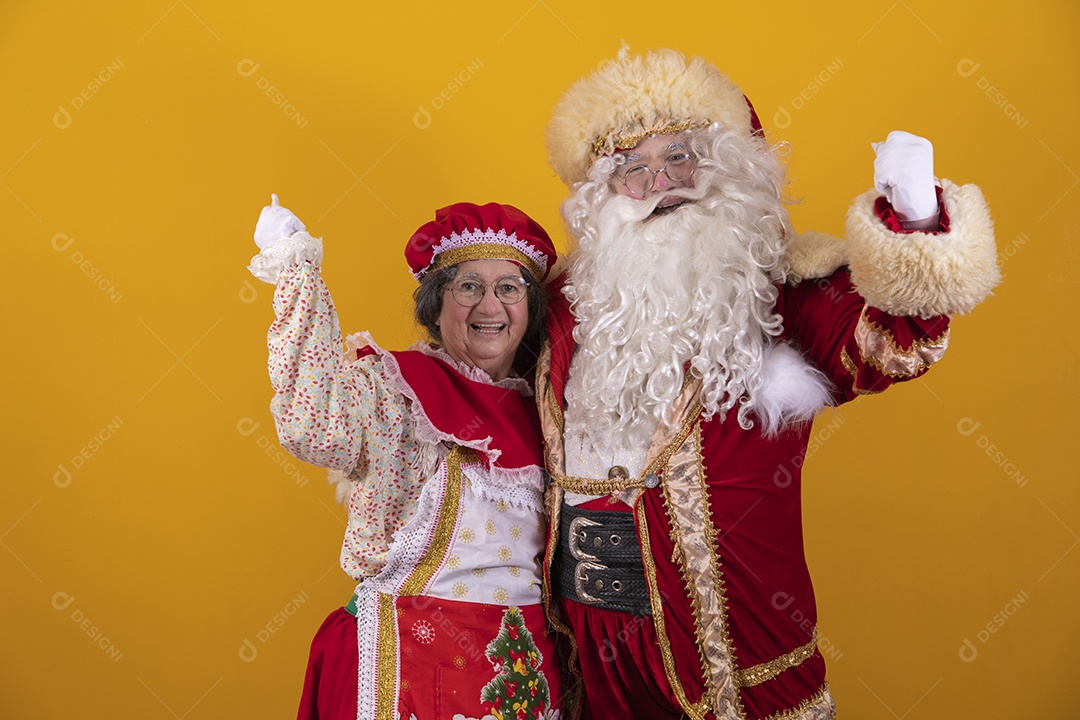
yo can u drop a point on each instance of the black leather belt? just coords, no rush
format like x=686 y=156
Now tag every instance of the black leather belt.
x=598 y=562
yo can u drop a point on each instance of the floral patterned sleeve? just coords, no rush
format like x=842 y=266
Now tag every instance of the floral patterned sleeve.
x=317 y=404
x=329 y=412
x=336 y=412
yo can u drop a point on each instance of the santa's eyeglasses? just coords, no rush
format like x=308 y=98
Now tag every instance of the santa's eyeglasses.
x=639 y=177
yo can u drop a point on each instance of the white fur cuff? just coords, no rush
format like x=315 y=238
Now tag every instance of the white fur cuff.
x=813 y=255
x=284 y=254
x=922 y=274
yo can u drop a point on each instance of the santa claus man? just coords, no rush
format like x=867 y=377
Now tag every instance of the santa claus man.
x=693 y=339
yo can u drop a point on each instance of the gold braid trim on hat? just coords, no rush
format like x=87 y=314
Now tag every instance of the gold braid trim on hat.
x=626 y=140
x=486 y=251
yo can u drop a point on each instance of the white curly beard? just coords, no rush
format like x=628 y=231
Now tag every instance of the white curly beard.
x=694 y=287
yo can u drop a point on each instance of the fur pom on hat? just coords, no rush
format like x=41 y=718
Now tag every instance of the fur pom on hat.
x=634 y=96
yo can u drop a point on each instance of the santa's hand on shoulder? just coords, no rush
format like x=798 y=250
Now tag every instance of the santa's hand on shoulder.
x=904 y=174
x=275 y=222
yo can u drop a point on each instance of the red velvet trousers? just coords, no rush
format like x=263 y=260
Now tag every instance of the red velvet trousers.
x=621 y=665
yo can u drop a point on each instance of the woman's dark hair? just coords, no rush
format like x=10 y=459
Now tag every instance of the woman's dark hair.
x=429 y=295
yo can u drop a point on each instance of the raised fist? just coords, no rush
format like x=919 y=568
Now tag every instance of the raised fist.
x=904 y=174
x=275 y=222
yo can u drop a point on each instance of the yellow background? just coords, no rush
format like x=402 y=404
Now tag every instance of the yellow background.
x=162 y=559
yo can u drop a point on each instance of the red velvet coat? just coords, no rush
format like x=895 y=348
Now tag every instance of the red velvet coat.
x=733 y=605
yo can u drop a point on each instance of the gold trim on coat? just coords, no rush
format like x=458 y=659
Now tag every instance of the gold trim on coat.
x=665 y=443
x=818 y=706
x=686 y=500
x=853 y=370
x=879 y=349
x=588 y=486
x=696 y=711
x=758 y=674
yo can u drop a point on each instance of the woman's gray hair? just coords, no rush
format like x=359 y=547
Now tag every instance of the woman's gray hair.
x=430 y=294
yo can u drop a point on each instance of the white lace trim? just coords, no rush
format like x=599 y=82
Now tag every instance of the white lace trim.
x=478 y=237
x=522 y=488
x=367 y=645
x=286 y=253
x=426 y=432
x=412 y=541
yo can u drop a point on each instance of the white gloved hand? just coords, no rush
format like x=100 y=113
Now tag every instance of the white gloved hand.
x=275 y=222
x=904 y=174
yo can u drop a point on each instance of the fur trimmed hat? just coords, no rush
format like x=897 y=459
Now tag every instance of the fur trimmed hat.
x=633 y=96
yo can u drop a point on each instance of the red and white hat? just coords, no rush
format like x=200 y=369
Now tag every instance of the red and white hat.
x=464 y=231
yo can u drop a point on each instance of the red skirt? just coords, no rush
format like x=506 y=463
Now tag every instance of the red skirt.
x=451 y=654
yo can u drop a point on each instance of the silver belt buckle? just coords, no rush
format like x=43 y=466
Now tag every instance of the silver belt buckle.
x=585 y=560
x=579 y=581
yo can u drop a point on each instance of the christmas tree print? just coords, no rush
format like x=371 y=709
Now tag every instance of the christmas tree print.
x=520 y=690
